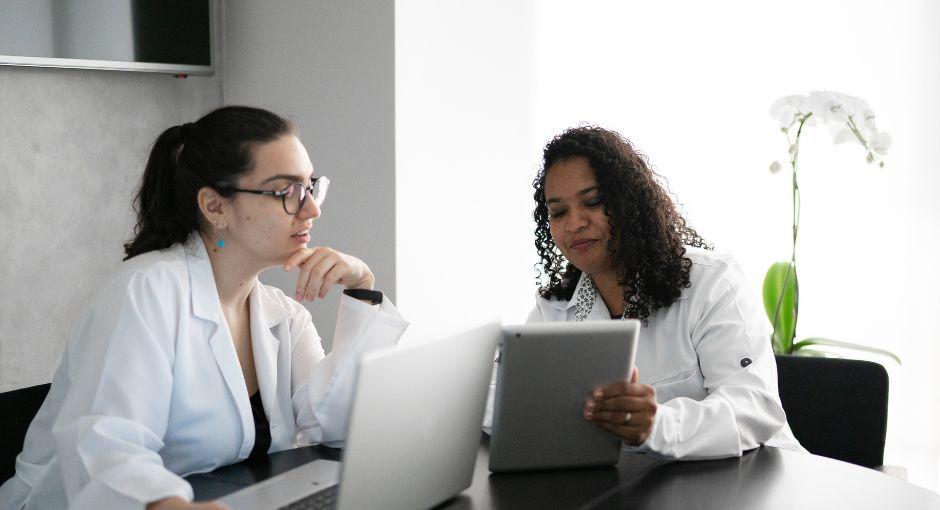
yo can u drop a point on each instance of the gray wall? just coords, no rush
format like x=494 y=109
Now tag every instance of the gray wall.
x=73 y=144
x=330 y=67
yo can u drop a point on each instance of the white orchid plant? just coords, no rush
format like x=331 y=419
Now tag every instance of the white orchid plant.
x=850 y=119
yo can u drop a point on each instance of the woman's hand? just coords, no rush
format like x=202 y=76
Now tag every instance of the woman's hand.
x=321 y=268
x=177 y=503
x=626 y=408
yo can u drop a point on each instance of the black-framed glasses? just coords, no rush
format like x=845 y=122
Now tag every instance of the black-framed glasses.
x=294 y=196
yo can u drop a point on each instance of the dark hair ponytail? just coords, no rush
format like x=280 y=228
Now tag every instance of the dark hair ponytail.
x=213 y=151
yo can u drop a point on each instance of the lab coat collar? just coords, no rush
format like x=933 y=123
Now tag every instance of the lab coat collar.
x=598 y=311
x=266 y=312
x=266 y=308
x=205 y=296
x=564 y=305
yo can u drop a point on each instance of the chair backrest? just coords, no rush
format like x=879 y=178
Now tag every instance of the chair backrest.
x=837 y=408
x=17 y=410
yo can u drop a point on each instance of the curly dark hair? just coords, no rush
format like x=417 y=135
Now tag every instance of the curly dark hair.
x=648 y=234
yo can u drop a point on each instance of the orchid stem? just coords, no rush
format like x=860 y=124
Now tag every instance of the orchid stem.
x=791 y=270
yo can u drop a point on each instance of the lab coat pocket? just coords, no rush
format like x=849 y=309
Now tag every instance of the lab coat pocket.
x=682 y=384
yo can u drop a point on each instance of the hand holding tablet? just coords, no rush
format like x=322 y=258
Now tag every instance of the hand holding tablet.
x=625 y=408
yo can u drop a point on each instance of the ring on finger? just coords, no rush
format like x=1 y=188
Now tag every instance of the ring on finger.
x=626 y=417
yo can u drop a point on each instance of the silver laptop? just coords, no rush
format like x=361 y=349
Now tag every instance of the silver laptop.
x=545 y=372
x=414 y=432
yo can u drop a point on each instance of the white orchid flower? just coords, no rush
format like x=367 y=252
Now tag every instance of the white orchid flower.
x=880 y=143
x=837 y=107
x=841 y=134
x=828 y=106
x=849 y=118
x=787 y=109
x=867 y=120
x=853 y=105
x=775 y=167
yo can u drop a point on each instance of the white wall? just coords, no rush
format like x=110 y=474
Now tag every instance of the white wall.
x=690 y=83
x=330 y=68
x=465 y=128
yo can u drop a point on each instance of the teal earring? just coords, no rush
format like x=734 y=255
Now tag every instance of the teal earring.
x=221 y=242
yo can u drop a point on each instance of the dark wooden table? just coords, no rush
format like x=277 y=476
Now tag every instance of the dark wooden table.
x=765 y=478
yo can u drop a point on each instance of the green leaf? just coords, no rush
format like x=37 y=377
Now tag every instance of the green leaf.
x=813 y=353
x=846 y=345
x=780 y=304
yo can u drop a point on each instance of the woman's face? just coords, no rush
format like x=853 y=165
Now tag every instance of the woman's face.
x=576 y=216
x=260 y=227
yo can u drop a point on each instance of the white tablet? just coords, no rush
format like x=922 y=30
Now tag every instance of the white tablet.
x=545 y=372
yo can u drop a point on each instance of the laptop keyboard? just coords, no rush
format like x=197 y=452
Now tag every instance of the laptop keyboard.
x=325 y=499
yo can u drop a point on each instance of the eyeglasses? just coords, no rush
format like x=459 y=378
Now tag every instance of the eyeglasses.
x=294 y=196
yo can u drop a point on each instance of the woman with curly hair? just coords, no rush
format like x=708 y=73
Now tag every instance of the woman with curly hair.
x=613 y=245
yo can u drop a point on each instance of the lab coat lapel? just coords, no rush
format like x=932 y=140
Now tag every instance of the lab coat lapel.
x=266 y=314
x=205 y=302
x=598 y=311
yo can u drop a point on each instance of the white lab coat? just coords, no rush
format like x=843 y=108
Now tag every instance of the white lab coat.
x=712 y=402
x=150 y=389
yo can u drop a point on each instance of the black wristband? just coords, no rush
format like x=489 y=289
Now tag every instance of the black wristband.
x=365 y=294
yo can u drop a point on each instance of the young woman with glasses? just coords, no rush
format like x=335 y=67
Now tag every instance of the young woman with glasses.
x=613 y=245
x=186 y=362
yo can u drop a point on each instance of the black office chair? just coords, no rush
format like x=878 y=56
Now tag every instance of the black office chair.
x=17 y=410
x=837 y=408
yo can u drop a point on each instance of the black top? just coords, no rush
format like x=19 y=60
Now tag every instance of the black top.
x=262 y=428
